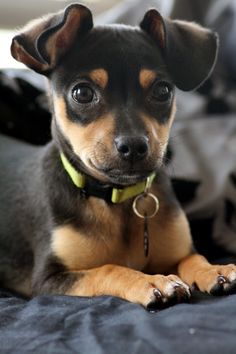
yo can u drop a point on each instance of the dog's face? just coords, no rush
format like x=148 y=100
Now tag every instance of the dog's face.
x=114 y=103
x=112 y=87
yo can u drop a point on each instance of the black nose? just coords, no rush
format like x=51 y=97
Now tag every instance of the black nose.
x=132 y=148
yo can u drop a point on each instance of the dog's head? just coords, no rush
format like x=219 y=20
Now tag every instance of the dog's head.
x=112 y=87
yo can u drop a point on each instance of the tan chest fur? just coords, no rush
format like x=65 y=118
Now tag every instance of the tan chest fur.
x=113 y=236
x=103 y=241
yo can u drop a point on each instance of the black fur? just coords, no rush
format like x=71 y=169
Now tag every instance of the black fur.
x=187 y=71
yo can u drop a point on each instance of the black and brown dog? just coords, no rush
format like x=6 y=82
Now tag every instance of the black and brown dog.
x=68 y=223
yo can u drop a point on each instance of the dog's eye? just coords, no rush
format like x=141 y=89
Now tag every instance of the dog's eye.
x=161 y=91
x=83 y=94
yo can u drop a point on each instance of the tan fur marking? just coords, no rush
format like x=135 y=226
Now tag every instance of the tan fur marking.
x=147 y=77
x=93 y=247
x=159 y=133
x=101 y=241
x=100 y=77
x=172 y=241
x=195 y=269
x=90 y=143
x=126 y=283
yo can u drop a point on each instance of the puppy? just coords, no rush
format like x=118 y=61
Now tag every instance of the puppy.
x=93 y=213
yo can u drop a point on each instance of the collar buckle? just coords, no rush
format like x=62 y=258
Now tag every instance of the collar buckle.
x=120 y=195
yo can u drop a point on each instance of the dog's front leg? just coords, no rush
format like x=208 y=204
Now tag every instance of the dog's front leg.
x=151 y=291
x=213 y=279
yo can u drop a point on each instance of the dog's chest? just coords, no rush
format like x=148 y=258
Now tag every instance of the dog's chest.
x=109 y=237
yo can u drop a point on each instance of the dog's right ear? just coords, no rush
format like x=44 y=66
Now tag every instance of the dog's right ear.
x=43 y=42
x=189 y=50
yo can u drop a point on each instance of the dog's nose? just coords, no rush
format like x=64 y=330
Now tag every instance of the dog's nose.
x=132 y=148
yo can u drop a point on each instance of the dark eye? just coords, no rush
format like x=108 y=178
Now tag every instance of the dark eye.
x=161 y=91
x=83 y=93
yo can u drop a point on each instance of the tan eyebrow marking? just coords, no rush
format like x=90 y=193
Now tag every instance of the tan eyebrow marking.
x=100 y=77
x=147 y=77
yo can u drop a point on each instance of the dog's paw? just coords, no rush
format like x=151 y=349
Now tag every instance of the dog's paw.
x=217 y=280
x=165 y=291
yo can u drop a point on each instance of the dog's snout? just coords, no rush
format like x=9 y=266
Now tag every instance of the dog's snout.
x=131 y=148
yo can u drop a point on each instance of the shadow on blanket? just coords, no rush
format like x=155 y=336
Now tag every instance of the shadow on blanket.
x=62 y=324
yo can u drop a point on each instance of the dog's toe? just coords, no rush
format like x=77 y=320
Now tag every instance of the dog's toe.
x=224 y=285
x=218 y=287
x=222 y=280
x=157 y=301
x=182 y=294
x=173 y=292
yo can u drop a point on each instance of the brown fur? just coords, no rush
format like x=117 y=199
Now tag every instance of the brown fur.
x=129 y=284
x=195 y=269
x=55 y=45
x=159 y=133
x=90 y=142
x=21 y=55
x=107 y=255
x=107 y=242
x=100 y=77
x=63 y=38
x=146 y=78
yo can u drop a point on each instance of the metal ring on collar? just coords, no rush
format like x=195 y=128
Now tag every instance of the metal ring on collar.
x=145 y=215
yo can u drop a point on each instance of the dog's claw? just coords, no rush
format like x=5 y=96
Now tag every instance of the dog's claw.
x=161 y=300
x=223 y=286
x=221 y=280
x=157 y=293
x=157 y=301
x=181 y=294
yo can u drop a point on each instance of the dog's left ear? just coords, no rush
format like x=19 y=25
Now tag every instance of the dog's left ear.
x=189 y=50
x=43 y=42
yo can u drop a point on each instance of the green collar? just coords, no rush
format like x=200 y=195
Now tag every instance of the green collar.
x=110 y=194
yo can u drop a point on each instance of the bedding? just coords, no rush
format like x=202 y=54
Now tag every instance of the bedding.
x=108 y=325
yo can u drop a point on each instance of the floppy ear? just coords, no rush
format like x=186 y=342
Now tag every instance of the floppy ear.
x=44 y=41
x=188 y=49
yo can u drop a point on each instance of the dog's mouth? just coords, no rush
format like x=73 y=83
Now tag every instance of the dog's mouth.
x=121 y=176
x=125 y=179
